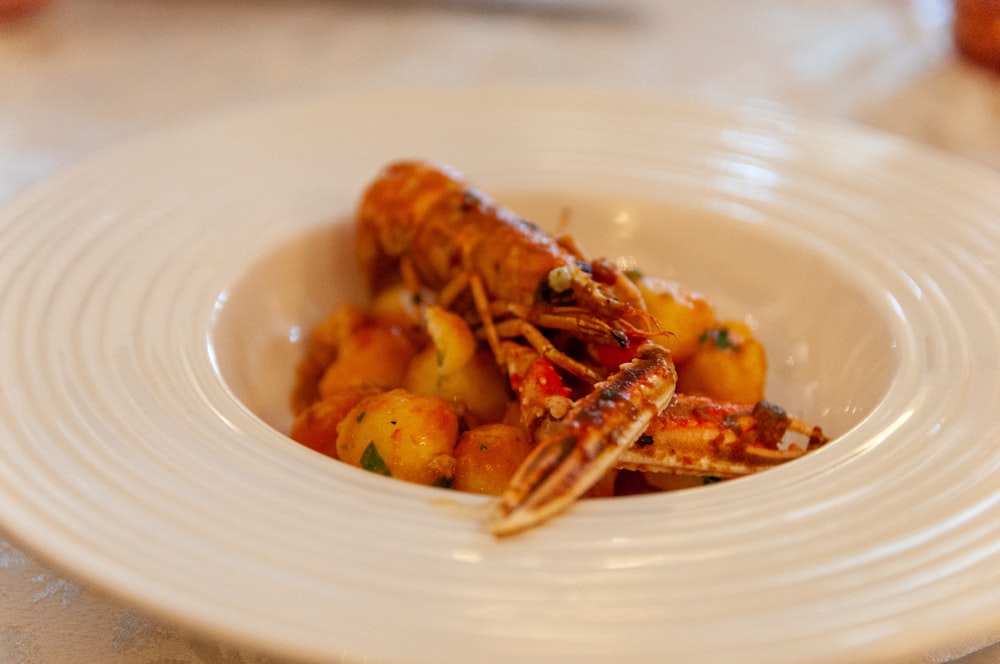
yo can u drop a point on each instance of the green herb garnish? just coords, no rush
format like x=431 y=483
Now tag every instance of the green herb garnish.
x=373 y=462
x=719 y=337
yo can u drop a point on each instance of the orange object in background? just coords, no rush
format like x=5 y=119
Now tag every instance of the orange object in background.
x=11 y=9
x=977 y=31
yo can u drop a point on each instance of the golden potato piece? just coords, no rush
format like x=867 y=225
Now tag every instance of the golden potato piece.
x=408 y=436
x=324 y=343
x=453 y=342
x=452 y=368
x=730 y=365
x=372 y=354
x=316 y=426
x=329 y=333
x=487 y=456
x=397 y=305
x=478 y=386
x=684 y=313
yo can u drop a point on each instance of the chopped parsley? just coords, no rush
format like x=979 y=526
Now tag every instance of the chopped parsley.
x=719 y=337
x=373 y=462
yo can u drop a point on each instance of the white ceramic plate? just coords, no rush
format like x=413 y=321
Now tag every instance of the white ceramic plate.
x=151 y=300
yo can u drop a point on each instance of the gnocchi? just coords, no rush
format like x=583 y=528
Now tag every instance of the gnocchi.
x=400 y=434
x=410 y=393
x=728 y=365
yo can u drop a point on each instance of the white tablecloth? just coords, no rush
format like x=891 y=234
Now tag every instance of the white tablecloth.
x=84 y=74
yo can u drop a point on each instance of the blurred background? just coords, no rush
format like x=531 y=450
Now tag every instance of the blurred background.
x=79 y=74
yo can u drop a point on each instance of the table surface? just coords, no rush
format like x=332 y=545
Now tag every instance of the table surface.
x=83 y=74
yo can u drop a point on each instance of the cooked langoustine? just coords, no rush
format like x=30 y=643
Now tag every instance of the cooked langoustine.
x=422 y=225
x=690 y=435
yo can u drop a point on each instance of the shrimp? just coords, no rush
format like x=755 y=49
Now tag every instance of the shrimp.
x=422 y=224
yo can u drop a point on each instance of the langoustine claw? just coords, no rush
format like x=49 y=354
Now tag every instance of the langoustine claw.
x=698 y=436
x=578 y=450
x=579 y=442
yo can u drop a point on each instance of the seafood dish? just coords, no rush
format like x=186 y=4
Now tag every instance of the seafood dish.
x=497 y=358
